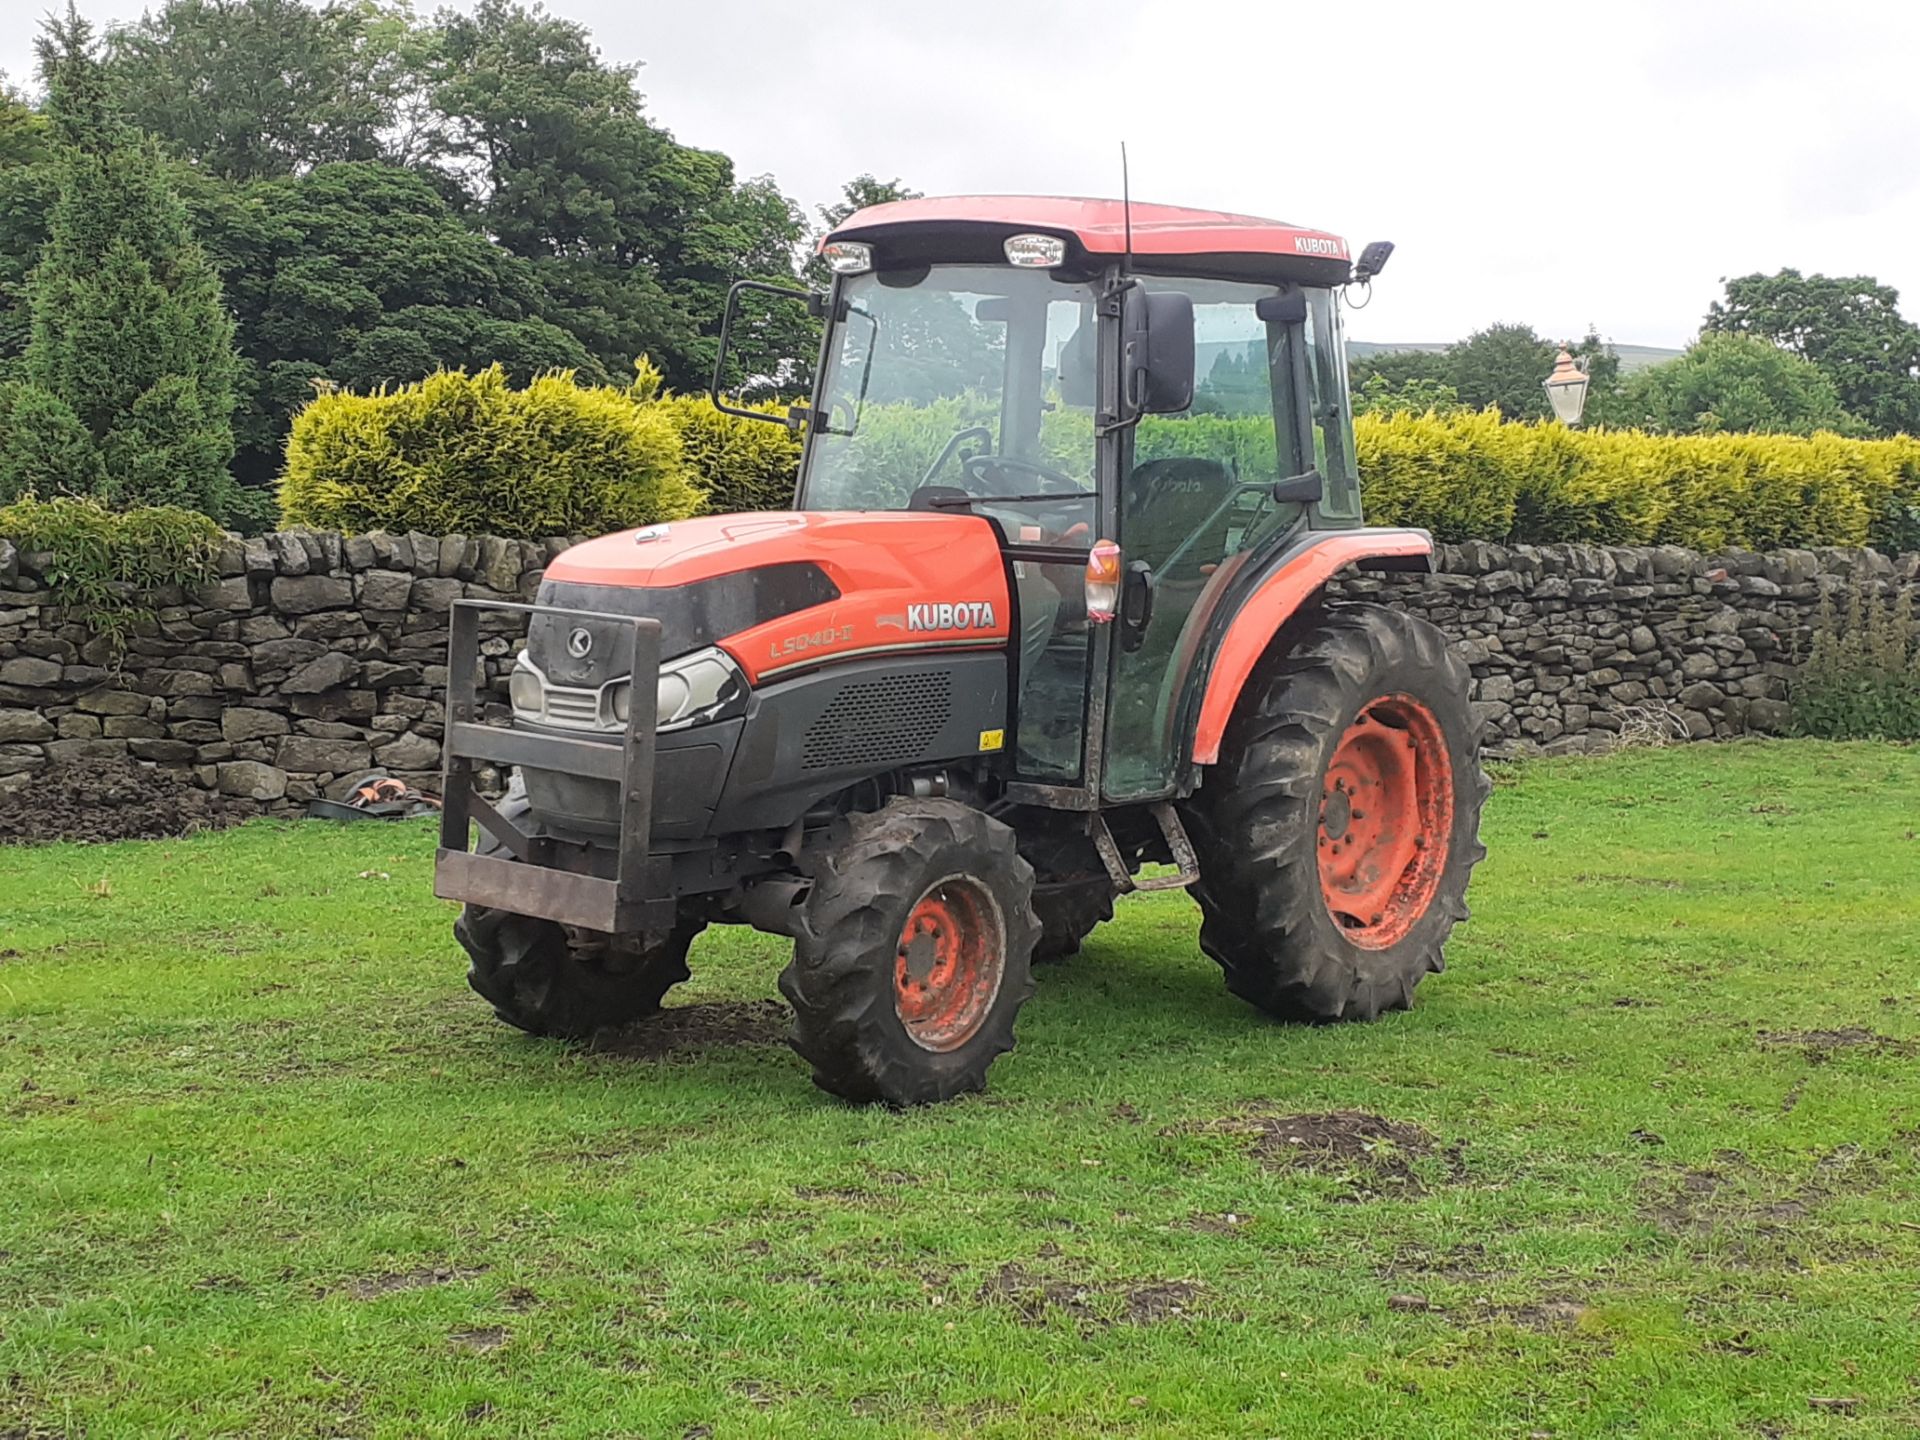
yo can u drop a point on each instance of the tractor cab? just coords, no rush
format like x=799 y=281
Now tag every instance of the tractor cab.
x=1161 y=395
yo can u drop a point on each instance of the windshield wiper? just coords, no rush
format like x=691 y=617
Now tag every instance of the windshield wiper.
x=957 y=502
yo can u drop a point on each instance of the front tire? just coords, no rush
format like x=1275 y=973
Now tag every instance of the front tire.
x=1339 y=829
x=556 y=980
x=914 y=955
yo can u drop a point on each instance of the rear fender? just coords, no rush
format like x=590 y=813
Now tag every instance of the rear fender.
x=1273 y=602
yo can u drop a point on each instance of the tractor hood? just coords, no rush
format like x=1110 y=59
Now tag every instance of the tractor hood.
x=779 y=590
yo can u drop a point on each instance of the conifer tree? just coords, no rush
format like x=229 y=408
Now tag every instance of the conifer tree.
x=127 y=384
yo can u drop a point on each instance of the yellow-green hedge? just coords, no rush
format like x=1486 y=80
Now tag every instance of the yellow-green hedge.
x=1477 y=477
x=741 y=464
x=469 y=454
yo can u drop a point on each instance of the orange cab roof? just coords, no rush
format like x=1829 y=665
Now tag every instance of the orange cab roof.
x=1100 y=225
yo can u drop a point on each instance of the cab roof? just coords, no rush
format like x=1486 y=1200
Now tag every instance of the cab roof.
x=1187 y=240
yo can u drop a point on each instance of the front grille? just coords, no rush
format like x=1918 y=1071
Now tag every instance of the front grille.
x=879 y=722
x=574 y=709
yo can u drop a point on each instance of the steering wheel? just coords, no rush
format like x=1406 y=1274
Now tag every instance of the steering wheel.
x=978 y=466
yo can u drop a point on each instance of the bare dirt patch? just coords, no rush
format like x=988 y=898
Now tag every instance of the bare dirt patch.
x=1033 y=1295
x=1732 y=1194
x=691 y=1029
x=113 y=800
x=1372 y=1154
x=372 y=1287
x=1821 y=1045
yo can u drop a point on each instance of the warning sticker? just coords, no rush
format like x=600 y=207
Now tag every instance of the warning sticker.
x=992 y=739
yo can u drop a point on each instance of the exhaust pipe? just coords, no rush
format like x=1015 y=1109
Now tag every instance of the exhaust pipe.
x=776 y=905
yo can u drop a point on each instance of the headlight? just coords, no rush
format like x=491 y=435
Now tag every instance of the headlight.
x=692 y=688
x=696 y=686
x=525 y=690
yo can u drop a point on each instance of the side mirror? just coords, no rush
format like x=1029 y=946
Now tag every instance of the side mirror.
x=1307 y=489
x=1156 y=351
x=816 y=303
x=1372 y=260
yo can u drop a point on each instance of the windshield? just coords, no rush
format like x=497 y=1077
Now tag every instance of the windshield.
x=963 y=387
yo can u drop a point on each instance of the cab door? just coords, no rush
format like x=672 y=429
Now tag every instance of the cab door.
x=1196 y=505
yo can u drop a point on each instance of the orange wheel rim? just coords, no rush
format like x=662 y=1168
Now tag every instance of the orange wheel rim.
x=949 y=963
x=1386 y=815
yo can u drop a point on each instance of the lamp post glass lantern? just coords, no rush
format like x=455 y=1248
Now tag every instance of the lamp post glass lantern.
x=1567 y=389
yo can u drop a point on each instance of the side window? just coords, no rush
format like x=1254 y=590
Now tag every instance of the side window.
x=1331 y=407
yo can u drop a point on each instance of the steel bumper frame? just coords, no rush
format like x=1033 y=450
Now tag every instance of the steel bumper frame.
x=538 y=880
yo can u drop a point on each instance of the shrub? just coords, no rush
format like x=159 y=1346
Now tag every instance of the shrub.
x=1861 y=680
x=740 y=464
x=103 y=562
x=1476 y=477
x=467 y=454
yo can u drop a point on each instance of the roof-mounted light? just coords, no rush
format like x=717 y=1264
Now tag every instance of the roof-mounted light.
x=847 y=257
x=1038 y=252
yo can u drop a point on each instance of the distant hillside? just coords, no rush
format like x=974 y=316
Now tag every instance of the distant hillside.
x=1632 y=357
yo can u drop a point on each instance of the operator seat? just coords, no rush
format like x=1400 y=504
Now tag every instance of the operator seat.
x=1167 y=503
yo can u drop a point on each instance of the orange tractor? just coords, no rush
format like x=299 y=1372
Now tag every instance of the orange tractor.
x=1047 y=624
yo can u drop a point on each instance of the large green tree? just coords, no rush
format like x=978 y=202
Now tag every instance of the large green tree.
x=636 y=235
x=248 y=89
x=360 y=274
x=1735 y=383
x=126 y=390
x=1849 y=326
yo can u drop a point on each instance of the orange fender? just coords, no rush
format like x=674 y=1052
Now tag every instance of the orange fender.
x=1270 y=606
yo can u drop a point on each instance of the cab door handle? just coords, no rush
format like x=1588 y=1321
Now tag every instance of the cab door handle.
x=1136 y=604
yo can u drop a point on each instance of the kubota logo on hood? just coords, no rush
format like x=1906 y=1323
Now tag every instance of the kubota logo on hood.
x=966 y=615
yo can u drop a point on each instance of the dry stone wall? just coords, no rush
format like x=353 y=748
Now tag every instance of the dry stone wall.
x=312 y=658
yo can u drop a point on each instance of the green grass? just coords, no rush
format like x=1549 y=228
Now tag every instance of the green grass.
x=267 y=1169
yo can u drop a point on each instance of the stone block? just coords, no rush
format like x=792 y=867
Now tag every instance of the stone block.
x=304 y=594
x=381 y=675
x=30 y=670
x=336 y=705
x=409 y=752
x=65 y=752
x=327 y=672
x=290 y=554
x=132 y=727
x=1698 y=665
x=1702 y=695
x=245 y=723
x=383 y=589
x=251 y=780
x=285 y=654
x=113 y=702
x=310 y=755
x=232 y=593
x=24 y=725
x=436 y=597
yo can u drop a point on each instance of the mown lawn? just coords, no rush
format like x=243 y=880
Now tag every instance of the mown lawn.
x=1642 y=1162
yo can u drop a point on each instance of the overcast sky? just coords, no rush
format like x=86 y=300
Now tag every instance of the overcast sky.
x=1547 y=162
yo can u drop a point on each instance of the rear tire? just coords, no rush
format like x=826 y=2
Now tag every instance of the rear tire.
x=914 y=953
x=555 y=980
x=1339 y=829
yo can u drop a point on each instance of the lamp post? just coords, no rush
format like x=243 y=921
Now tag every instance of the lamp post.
x=1567 y=389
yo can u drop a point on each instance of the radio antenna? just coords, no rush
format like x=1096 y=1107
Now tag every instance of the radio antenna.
x=1126 y=211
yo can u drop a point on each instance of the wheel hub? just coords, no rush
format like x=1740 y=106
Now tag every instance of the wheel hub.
x=949 y=963
x=1386 y=812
